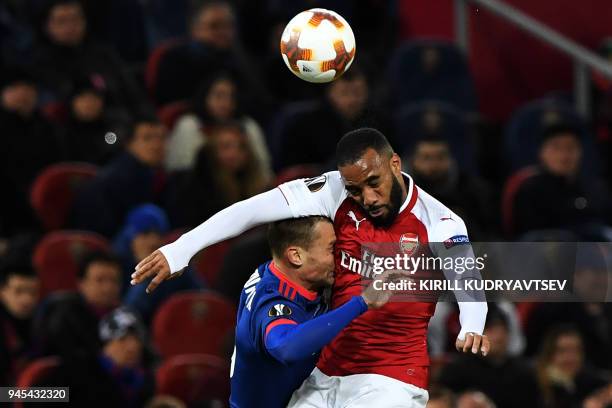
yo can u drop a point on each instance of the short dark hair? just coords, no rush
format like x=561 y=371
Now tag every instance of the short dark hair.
x=140 y=119
x=97 y=257
x=557 y=129
x=201 y=6
x=293 y=231
x=8 y=270
x=354 y=144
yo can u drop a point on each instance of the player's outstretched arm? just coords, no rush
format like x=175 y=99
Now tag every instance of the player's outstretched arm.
x=297 y=198
x=228 y=223
x=291 y=342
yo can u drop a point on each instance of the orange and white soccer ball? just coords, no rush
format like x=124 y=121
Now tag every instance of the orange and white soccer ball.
x=318 y=45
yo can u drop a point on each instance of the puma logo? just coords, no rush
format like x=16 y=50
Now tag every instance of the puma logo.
x=353 y=217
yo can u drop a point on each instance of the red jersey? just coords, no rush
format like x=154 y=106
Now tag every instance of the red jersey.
x=392 y=340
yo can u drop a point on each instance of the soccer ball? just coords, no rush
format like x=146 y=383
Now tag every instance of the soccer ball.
x=318 y=45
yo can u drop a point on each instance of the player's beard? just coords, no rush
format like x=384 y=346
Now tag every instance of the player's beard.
x=395 y=202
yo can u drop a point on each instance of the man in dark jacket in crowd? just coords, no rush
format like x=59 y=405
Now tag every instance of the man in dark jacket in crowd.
x=115 y=376
x=558 y=197
x=498 y=375
x=133 y=177
x=212 y=47
x=19 y=288
x=433 y=168
x=66 y=53
x=312 y=135
x=29 y=144
x=67 y=326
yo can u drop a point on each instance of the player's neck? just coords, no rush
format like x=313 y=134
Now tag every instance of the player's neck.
x=402 y=183
x=292 y=275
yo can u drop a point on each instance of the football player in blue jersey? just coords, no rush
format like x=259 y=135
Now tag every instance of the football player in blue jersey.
x=282 y=317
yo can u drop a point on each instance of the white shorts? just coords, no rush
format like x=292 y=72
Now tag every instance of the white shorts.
x=357 y=391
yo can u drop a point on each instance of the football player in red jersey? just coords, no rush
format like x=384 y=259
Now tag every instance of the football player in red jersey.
x=380 y=359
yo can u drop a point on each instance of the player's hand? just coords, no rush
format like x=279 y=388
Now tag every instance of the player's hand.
x=474 y=343
x=156 y=266
x=376 y=297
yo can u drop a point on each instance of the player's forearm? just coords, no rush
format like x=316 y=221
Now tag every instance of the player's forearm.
x=288 y=343
x=228 y=223
x=472 y=316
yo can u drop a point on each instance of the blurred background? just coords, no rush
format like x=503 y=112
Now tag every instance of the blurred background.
x=125 y=123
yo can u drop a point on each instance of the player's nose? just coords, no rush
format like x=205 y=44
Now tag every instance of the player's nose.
x=369 y=197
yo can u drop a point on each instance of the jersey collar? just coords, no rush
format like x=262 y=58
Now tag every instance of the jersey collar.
x=307 y=294
x=411 y=197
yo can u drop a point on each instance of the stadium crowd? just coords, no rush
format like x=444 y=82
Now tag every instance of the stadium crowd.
x=125 y=123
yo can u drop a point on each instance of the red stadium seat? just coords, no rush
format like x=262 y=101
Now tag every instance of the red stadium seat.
x=194 y=322
x=152 y=67
x=36 y=373
x=54 y=190
x=509 y=193
x=194 y=378
x=57 y=256
x=208 y=262
x=296 y=172
x=169 y=114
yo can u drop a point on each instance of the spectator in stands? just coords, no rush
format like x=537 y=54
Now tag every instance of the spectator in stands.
x=557 y=197
x=217 y=101
x=312 y=135
x=116 y=376
x=433 y=168
x=19 y=291
x=225 y=172
x=498 y=375
x=90 y=126
x=66 y=53
x=586 y=311
x=564 y=379
x=29 y=144
x=135 y=176
x=68 y=324
x=142 y=234
x=212 y=47
x=440 y=397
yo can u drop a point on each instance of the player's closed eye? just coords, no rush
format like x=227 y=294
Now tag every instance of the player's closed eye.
x=353 y=192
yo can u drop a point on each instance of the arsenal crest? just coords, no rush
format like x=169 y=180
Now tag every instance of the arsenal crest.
x=409 y=243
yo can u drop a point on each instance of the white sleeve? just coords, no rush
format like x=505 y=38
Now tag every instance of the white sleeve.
x=315 y=196
x=449 y=238
x=228 y=223
x=297 y=198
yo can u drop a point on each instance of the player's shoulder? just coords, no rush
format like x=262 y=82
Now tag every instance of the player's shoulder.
x=441 y=222
x=267 y=289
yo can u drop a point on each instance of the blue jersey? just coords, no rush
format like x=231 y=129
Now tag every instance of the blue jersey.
x=260 y=378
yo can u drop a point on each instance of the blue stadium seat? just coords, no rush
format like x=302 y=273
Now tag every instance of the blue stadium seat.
x=416 y=120
x=431 y=69
x=522 y=136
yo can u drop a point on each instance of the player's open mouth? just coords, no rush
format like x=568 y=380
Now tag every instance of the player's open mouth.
x=377 y=212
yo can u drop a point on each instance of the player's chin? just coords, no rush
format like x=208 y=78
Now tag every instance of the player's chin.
x=382 y=218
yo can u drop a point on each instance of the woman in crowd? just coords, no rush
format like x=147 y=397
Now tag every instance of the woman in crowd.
x=226 y=170
x=565 y=381
x=215 y=102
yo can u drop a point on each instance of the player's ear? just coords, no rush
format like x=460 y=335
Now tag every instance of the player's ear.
x=294 y=256
x=396 y=164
